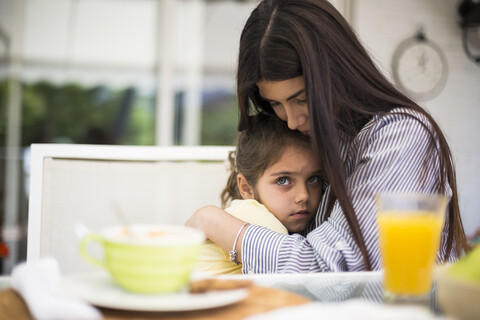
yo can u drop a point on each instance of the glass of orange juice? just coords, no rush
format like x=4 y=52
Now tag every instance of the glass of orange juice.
x=409 y=228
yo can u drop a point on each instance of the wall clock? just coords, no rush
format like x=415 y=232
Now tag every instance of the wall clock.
x=419 y=67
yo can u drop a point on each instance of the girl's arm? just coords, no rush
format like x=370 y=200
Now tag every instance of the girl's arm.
x=220 y=227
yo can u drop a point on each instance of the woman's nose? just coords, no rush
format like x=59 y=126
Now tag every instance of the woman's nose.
x=295 y=120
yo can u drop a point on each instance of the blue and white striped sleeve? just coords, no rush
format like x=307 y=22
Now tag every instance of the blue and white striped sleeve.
x=389 y=154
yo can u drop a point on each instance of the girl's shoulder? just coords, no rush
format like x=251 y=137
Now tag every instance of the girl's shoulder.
x=254 y=212
x=240 y=204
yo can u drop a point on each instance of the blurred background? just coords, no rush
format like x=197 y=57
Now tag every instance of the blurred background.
x=162 y=72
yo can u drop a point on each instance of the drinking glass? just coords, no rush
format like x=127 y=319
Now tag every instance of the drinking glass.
x=409 y=228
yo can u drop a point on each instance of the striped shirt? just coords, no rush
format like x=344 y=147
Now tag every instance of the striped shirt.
x=387 y=155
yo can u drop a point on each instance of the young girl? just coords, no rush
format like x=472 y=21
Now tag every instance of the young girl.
x=301 y=61
x=276 y=173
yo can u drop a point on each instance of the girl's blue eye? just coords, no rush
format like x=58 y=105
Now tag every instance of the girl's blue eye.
x=314 y=179
x=283 y=181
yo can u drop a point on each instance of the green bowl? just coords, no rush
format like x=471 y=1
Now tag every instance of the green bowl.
x=147 y=259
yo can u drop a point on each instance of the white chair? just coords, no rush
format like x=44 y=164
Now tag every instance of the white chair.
x=74 y=188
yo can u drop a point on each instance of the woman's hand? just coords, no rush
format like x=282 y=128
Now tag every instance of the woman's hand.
x=199 y=219
x=218 y=226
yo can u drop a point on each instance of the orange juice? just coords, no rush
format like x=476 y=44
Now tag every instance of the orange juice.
x=409 y=242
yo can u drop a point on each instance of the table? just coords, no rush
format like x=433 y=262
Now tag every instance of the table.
x=269 y=292
x=335 y=286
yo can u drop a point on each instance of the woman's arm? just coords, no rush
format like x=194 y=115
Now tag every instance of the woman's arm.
x=388 y=155
x=220 y=227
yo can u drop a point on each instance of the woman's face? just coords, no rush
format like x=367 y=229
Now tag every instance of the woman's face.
x=291 y=188
x=289 y=101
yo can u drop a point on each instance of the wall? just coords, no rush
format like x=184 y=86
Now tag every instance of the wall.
x=382 y=25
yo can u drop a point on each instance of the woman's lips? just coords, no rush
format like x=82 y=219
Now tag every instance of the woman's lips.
x=307 y=133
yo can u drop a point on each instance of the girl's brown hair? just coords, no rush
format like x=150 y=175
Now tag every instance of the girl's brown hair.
x=284 y=39
x=258 y=148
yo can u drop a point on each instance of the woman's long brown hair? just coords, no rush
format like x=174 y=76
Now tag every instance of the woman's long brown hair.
x=284 y=39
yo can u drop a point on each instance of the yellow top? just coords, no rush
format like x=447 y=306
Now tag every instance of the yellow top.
x=213 y=259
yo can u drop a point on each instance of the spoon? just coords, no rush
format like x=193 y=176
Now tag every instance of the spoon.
x=123 y=220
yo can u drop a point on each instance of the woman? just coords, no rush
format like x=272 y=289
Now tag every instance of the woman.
x=301 y=61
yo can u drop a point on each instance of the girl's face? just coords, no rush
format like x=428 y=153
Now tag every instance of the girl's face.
x=289 y=101
x=291 y=188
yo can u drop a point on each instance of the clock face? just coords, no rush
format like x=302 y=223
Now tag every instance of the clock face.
x=419 y=69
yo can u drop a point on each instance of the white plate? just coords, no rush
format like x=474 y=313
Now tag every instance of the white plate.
x=100 y=290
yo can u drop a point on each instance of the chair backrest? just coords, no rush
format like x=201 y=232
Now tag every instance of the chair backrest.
x=74 y=188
